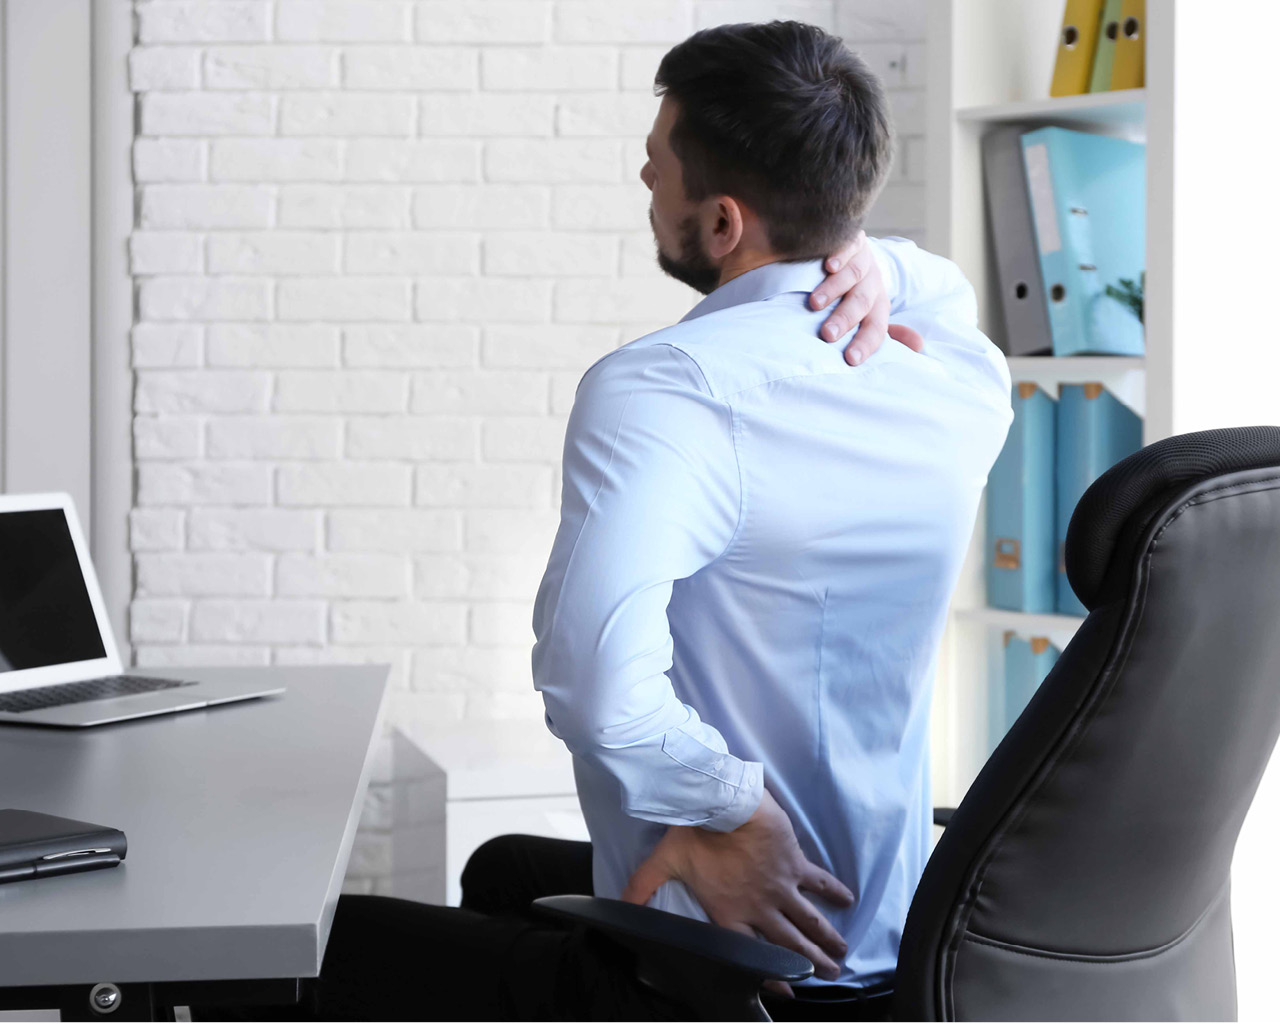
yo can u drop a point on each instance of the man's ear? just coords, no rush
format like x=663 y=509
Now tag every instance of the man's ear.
x=723 y=226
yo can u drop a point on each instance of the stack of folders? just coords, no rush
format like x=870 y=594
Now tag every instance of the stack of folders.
x=1067 y=212
x=1054 y=451
x=1100 y=47
x=1026 y=662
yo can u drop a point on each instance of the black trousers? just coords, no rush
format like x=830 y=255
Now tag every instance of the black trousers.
x=493 y=959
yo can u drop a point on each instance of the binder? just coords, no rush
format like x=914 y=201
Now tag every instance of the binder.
x=1095 y=431
x=1077 y=40
x=1026 y=664
x=1020 y=523
x=1026 y=320
x=1088 y=206
x=1104 y=55
x=1129 y=69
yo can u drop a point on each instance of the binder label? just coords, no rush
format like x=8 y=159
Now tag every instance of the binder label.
x=1040 y=186
x=1008 y=555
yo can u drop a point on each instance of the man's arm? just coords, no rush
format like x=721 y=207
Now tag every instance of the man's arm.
x=651 y=495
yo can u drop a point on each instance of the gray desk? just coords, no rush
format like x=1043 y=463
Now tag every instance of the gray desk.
x=240 y=821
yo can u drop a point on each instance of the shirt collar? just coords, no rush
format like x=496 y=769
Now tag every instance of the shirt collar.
x=762 y=283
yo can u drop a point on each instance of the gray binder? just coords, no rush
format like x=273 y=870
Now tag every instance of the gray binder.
x=1026 y=319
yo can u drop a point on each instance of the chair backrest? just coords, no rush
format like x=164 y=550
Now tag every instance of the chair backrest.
x=1086 y=874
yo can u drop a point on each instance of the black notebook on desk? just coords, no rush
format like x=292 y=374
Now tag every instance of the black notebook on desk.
x=33 y=845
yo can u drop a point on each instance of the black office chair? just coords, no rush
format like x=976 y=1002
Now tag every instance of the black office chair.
x=1086 y=874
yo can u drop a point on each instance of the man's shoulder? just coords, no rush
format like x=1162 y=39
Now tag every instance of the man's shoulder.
x=665 y=358
x=648 y=381
x=729 y=350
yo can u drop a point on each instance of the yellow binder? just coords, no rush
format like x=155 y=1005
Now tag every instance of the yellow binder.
x=1076 y=43
x=1128 y=70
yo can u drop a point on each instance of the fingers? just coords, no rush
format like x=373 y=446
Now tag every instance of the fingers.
x=865 y=308
x=805 y=916
x=648 y=878
x=870 y=334
x=834 y=285
x=846 y=316
x=824 y=884
x=842 y=256
x=737 y=926
x=844 y=271
x=908 y=336
x=780 y=931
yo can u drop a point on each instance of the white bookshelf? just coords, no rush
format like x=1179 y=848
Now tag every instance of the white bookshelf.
x=1212 y=355
x=1122 y=108
x=1023 y=623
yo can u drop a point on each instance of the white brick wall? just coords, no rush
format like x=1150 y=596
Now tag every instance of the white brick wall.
x=377 y=243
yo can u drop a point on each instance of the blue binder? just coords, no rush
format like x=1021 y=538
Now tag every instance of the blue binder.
x=1095 y=431
x=1020 y=545
x=1026 y=663
x=1088 y=205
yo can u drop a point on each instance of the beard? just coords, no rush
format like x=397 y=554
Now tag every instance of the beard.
x=693 y=266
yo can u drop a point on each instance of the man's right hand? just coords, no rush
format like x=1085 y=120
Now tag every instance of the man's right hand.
x=752 y=880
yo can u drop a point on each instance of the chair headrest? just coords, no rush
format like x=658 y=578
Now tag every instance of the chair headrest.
x=1115 y=511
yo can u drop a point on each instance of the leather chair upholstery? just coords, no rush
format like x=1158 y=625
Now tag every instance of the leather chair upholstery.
x=1086 y=874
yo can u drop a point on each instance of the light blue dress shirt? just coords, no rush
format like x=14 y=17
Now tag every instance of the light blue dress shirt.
x=757 y=547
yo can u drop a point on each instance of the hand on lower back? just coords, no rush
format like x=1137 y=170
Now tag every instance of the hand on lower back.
x=754 y=880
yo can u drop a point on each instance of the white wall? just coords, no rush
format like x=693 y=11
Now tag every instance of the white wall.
x=377 y=243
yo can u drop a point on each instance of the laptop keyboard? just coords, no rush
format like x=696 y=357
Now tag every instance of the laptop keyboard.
x=88 y=689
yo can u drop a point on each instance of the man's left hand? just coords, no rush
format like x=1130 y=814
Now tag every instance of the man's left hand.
x=853 y=276
x=752 y=880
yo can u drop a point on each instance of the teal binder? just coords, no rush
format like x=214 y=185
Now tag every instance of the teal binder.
x=1026 y=663
x=1088 y=206
x=1020 y=544
x=1095 y=431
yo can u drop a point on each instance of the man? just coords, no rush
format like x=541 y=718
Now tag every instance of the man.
x=737 y=628
x=760 y=533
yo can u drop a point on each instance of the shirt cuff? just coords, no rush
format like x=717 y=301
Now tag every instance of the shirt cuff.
x=744 y=803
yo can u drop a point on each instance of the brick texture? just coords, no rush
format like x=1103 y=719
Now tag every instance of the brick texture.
x=377 y=242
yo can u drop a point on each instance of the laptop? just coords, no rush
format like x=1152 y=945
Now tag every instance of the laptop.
x=58 y=660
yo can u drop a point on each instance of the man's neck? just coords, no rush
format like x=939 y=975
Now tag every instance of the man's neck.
x=740 y=262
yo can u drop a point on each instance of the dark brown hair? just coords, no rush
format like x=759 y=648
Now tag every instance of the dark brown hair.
x=786 y=119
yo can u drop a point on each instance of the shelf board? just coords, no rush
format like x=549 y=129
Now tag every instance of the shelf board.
x=1024 y=623
x=1123 y=107
x=1123 y=376
x=1072 y=368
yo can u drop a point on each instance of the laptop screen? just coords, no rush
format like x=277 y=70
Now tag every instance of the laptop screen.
x=46 y=617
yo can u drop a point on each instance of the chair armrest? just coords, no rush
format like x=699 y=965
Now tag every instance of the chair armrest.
x=942 y=815
x=713 y=971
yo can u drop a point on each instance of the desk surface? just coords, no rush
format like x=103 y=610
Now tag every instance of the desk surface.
x=239 y=818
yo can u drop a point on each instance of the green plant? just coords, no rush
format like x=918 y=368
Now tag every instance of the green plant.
x=1130 y=294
